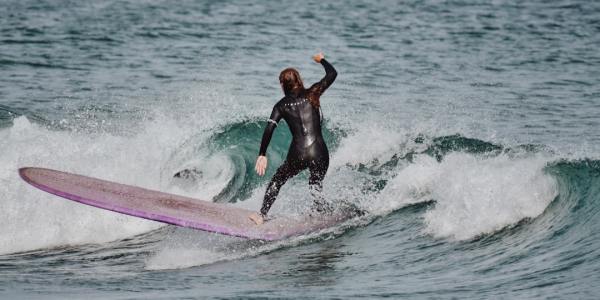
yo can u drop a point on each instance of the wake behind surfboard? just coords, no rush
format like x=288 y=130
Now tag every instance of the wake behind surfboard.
x=173 y=209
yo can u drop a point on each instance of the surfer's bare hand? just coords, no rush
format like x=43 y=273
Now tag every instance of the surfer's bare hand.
x=261 y=165
x=257 y=218
x=317 y=57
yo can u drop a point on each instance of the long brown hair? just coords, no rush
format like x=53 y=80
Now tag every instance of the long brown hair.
x=292 y=84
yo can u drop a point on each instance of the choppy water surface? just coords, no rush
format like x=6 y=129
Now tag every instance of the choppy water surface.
x=467 y=130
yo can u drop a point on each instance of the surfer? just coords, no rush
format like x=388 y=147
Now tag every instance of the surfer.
x=301 y=110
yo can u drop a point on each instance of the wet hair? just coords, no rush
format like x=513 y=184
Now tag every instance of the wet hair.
x=292 y=85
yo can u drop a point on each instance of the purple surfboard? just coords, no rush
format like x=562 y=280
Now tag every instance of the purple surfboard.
x=172 y=209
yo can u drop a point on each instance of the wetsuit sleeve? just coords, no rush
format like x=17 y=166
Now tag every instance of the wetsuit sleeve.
x=271 y=124
x=323 y=84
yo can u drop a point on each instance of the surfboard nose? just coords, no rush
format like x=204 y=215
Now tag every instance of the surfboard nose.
x=23 y=173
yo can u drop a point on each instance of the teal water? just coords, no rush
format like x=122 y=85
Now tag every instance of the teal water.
x=466 y=129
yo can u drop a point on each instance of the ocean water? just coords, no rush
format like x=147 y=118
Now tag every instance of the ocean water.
x=468 y=131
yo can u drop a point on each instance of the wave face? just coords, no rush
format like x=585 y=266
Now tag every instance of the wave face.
x=467 y=132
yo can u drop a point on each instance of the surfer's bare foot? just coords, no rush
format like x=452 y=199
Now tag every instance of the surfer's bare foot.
x=257 y=218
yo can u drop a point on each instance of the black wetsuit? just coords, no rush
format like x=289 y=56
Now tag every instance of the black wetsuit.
x=308 y=149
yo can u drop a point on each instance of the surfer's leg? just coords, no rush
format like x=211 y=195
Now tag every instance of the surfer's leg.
x=284 y=172
x=318 y=169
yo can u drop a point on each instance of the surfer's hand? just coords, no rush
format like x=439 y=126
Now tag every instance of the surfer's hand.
x=257 y=218
x=261 y=165
x=317 y=57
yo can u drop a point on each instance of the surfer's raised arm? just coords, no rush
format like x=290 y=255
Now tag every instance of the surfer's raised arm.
x=327 y=80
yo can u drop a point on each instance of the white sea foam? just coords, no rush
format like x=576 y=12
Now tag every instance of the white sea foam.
x=179 y=258
x=215 y=173
x=368 y=143
x=184 y=248
x=474 y=195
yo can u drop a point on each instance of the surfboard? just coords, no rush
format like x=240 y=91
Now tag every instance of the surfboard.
x=174 y=209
